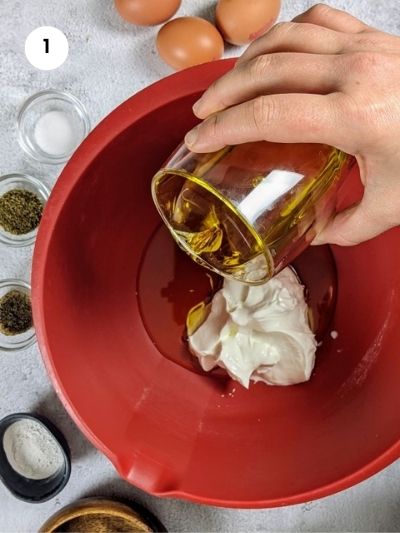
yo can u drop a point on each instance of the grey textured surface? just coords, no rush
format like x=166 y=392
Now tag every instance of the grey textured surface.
x=109 y=60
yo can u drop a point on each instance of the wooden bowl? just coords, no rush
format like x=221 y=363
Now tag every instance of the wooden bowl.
x=97 y=515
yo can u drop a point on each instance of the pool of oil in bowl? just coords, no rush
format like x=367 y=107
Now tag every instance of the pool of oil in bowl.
x=170 y=284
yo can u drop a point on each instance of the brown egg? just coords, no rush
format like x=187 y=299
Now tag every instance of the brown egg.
x=242 y=21
x=187 y=41
x=147 y=12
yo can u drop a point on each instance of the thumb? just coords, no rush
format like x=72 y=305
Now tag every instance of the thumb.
x=353 y=226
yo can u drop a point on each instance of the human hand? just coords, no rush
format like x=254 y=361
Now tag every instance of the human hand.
x=325 y=78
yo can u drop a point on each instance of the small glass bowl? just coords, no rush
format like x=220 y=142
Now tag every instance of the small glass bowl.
x=28 y=183
x=15 y=343
x=36 y=107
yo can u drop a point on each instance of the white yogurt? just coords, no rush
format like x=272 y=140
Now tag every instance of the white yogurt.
x=258 y=333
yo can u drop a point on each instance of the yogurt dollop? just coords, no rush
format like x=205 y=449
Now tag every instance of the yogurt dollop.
x=258 y=333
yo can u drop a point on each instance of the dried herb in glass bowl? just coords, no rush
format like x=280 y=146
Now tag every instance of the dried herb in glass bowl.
x=20 y=211
x=15 y=313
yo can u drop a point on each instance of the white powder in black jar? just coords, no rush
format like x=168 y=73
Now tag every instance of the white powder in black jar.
x=31 y=449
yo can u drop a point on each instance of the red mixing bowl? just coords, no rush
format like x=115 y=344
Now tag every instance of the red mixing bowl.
x=110 y=295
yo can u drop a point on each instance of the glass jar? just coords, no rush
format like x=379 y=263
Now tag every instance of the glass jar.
x=247 y=211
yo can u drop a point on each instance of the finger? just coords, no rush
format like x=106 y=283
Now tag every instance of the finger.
x=334 y=19
x=285 y=118
x=293 y=37
x=353 y=226
x=270 y=74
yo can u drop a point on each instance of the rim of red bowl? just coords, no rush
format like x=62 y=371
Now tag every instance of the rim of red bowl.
x=177 y=85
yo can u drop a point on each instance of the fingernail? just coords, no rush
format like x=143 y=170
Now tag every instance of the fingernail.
x=191 y=137
x=318 y=240
x=196 y=106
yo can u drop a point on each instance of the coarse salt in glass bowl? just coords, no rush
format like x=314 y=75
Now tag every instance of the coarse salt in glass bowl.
x=21 y=341
x=28 y=183
x=51 y=125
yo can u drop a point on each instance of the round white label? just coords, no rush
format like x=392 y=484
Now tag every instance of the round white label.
x=46 y=48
